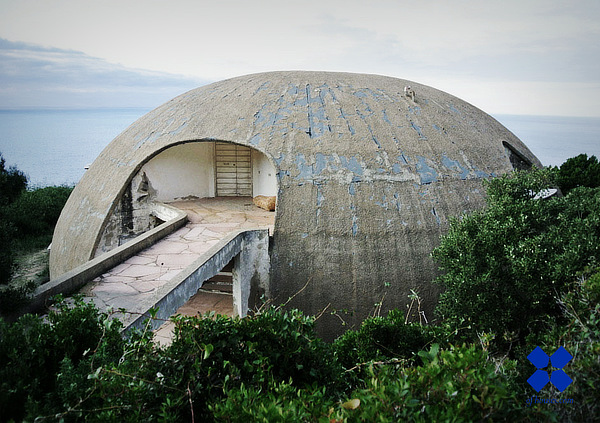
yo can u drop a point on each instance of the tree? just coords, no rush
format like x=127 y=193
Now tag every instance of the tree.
x=12 y=183
x=505 y=265
x=579 y=171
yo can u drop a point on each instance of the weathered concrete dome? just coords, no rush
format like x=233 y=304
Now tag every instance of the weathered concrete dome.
x=366 y=178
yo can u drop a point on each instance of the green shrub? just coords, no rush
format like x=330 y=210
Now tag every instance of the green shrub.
x=457 y=384
x=579 y=171
x=34 y=354
x=279 y=402
x=74 y=366
x=7 y=232
x=382 y=338
x=12 y=183
x=27 y=220
x=36 y=212
x=504 y=265
x=579 y=334
x=273 y=345
x=208 y=357
x=26 y=225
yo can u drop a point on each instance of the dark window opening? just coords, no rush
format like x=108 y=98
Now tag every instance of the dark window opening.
x=517 y=160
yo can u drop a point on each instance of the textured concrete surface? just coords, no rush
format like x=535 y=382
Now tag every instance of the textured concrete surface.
x=368 y=179
x=137 y=282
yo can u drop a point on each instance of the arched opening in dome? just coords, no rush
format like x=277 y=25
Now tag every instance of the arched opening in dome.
x=208 y=169
x=209 y=180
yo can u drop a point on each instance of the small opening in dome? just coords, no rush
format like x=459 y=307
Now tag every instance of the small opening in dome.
x=517 y=160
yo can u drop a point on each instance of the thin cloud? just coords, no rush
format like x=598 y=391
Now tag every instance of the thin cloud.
x=36 y=76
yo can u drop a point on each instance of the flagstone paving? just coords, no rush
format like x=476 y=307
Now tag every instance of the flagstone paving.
x=139 y=277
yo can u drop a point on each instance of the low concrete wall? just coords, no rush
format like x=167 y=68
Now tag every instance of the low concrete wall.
x=72 y=281
x=250 y=248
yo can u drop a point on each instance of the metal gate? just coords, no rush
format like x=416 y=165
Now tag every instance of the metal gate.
x=234 y=170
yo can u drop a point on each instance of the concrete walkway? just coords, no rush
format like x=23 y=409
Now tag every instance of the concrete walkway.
x=138 y=278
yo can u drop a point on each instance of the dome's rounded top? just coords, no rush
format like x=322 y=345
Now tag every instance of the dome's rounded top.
x=380 y=119
x=314 y=127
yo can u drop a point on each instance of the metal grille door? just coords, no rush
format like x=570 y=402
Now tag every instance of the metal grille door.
x=234 y=170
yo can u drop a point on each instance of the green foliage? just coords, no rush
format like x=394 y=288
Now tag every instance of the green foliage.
x=273 y=345
x=35 y=353
x=579 y=171
x=12 y=183
x=27 y=220
x=382 y=338
x=580 y=335
x=75 y=366
x=456 y=384
x=7 y=232
x=36 y=212
x=504 y=265
x=280 y=402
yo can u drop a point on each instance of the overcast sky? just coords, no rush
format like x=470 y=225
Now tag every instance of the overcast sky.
x=537 y=57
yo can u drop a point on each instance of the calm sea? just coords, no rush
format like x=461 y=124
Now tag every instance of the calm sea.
x=53 y=146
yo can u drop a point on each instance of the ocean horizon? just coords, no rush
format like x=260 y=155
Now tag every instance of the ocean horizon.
x=53 y=146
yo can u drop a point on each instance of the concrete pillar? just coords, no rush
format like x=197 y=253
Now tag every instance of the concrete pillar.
x=251 y=271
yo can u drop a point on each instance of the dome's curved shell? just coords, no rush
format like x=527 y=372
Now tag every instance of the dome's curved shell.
x=368 y=177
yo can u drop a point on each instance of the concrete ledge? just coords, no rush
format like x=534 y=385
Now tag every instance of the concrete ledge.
x=252 y=244
x=73 y=280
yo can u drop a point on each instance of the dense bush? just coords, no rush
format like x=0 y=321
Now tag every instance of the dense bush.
x=35 y=213
x=455 y=384
x=279 y=402
x=505 y=265
x=579 y=171
x=76 y=365
x=34 y=355
x=27 y=220
x=579 y=334
x=270 y=367
x=279 y=346
x=382 y=338
x=12 y=183
x=26 y=226
x=7 y=232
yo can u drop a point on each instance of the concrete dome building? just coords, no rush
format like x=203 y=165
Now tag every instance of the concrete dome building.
x=366 y=174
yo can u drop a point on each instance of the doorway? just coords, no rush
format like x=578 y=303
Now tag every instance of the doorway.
x=233 y=165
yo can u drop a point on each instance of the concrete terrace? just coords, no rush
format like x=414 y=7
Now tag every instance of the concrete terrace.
x=137 y=279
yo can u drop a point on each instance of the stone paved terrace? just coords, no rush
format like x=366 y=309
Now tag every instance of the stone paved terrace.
x=139 y=277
